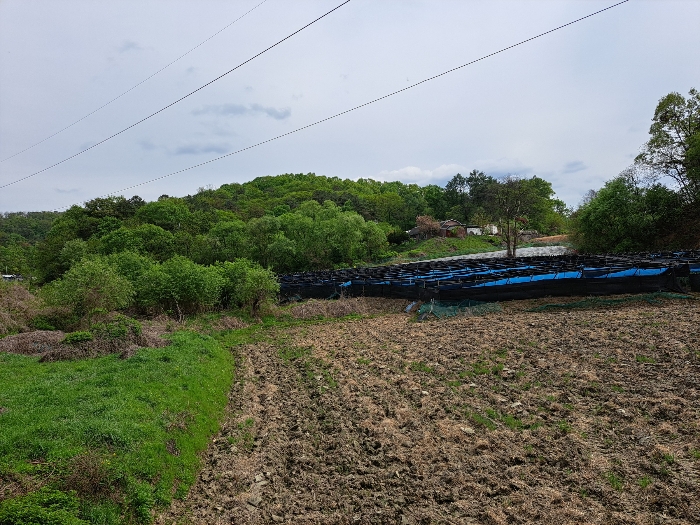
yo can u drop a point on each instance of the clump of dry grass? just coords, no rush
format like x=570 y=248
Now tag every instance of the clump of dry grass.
x=32 y=343
x=317 y=308
x=17 y=308
x=228 y=322
x=51 y=345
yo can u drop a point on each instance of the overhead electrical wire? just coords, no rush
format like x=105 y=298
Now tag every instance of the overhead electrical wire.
x=137 y=85
x=178 y=100
x=361 y=105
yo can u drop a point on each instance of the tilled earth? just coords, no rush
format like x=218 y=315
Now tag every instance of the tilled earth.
x=514 y=417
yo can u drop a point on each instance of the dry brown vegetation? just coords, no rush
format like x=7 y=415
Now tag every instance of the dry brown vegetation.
x=586 y=416
x=17 y=308
x=49 y=345
x=315 y=308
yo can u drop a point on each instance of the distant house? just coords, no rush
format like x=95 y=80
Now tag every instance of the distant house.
x=12 y=278
x=489 y=229
x=448 y=227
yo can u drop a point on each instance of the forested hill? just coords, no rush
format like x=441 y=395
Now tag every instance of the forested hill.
x=288 y=222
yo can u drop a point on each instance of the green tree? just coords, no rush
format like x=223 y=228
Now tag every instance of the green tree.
x=624 y=216
x=673 y=149
x=246 y=284
x=91 y=285
x=513 y=199
x=179 y=285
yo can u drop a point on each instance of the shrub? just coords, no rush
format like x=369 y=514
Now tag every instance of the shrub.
x=398 y=237
x=118 y=327
x=246 y=284
x=130 y=265
x=179 y=285
x=77 y=337
x=89 y=286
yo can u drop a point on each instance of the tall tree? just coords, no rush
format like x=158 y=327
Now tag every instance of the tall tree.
x=513 y=198
x=673 y=149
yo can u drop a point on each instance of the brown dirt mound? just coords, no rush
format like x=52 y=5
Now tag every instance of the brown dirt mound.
x=514 y=417
x=47 y=345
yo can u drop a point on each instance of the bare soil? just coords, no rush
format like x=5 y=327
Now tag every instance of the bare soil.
x=582 y=416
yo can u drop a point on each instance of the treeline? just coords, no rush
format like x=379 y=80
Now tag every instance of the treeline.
x=286 y=223
x=638 y=211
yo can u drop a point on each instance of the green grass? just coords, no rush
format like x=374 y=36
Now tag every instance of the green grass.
x=444 y=247
x=419 y=366
x=134 y=427
x=615 y=481
x=644 y=359
x=644 y=482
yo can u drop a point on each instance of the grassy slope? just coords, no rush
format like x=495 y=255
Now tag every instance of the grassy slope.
x=134 y=425
x=444 y=247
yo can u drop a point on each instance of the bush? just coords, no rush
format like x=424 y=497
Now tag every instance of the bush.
x=246 y=284
x=118 y=327
x=398 y=237
x=89 y=286
x=130 y=265
x=179 y=285
x=77 y=337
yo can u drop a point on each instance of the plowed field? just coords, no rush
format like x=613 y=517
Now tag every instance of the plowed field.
x=584 y=416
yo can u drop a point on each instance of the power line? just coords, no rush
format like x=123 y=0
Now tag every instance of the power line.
x=137 y=85
x=361 y=105
x=178 y=100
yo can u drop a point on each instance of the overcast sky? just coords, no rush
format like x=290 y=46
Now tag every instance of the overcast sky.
x=573 y=107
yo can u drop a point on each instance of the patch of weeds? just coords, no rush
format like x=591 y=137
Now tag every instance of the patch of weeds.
x=292 y=353
x=564 y=426
x=526 y=386
x=615 y=481
x=420 y=366
x=668 y=458
x=508 y=420
x=479 y=368
x=568 y=406
x=481 y=420
x=644 y=359
x=695 y=453
x=454 y=384
x=617 y=388
x=43 y=506
x=644 y=482
x=497 y=369
x=363 y=361
x=244 y=437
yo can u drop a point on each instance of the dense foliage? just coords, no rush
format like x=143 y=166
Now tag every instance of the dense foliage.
x=286 y=223
x=634 y=211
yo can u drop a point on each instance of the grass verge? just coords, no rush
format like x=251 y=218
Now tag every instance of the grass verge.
x=106 y=440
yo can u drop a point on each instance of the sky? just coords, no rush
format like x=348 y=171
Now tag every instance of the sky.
x=573 y=107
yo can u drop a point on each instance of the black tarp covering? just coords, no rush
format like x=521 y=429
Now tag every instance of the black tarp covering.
x=499 y=279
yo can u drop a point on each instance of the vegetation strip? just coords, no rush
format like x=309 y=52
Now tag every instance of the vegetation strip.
x=121 y=436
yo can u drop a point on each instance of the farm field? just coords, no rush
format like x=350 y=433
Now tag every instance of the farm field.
x=558 y=416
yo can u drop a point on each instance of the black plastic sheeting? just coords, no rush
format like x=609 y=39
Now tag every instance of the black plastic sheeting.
x=499 y=279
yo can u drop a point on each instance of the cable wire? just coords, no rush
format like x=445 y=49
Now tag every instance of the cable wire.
x=137 y=85
x=178 y=100
x=360 y=106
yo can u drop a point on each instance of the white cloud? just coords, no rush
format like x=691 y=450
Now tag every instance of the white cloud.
x=416 y=175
